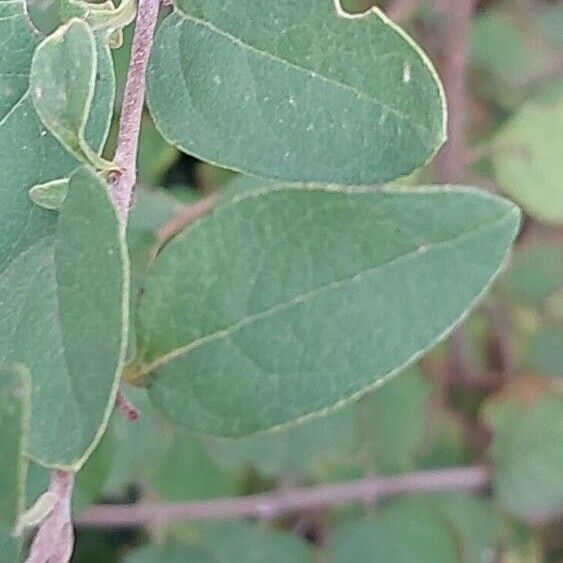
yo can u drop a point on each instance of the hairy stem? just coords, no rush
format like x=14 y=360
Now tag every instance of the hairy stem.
x=132 y=108
x=271 y=505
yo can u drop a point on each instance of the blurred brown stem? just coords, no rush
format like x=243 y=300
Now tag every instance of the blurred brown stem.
x=274 y=504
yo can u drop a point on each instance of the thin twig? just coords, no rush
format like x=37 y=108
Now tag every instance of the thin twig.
x=123 y=182
x=452 y=158
x=132 y=108
x=275 y=504
x=187 y=215
x=54 y=541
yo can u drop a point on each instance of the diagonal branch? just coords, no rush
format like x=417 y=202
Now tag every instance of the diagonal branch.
x=274 y=504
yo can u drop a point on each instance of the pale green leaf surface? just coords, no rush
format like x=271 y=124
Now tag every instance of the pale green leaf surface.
x=303 y=450
x=527 y=159
x=473 y=523
x=238 y=83
x=15 y=390
x=170 y=552
x=17 y=44
x=63 y=314
x=410 y=531
x=31 y=156
x=50 y=195
x=229 y=542
x=62 y=83
x=527 y=453
x=187 y=472
x=15 y=402
x=286 y=303
x=535 y=273
x=392 y=420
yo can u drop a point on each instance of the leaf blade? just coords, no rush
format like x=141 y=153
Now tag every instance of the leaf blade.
x=253 y=93
x=257 y=349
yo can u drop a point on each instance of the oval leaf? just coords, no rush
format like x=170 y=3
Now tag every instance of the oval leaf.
x=68 y=293
x=288 y=302
x=62 y=82
x=240 y=83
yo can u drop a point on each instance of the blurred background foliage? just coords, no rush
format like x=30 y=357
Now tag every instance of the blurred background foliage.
x=497 y=400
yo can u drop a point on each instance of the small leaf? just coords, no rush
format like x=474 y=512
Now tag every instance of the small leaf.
x=238 y=83
x=50 y=195
x=229 y=542
x=69 y=292
x=62 y=82
x=393 y=422
x=285 y=303
x=15 y=392
x=409 y=531
x=527 y=449
x=527 y=159
x=187 y=472
x=535 y=274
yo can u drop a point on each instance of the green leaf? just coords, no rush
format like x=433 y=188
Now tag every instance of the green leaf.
x=410 y=531
x=31 y=156
x=16 y=51
x=527 y=450
x=170 y=552
x=238 y=83
x=50 y=195
x=393 y=422
x=15 y=392
x=527 y=159
x=305 y=450
x=270 y=308
x=62 y=82
x=68 y=292
x=545 y=352
x=187 y=472
x=535 y=273
x=229 y=542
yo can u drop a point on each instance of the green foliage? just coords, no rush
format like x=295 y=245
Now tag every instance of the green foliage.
x=72 y=346
x=262 y=319
x=527 y=159
x=62 y=84
x=15 y=393
x=259 y=354
x=527 y=450
x=237 y=83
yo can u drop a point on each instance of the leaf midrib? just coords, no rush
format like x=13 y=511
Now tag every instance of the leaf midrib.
x=308 y=296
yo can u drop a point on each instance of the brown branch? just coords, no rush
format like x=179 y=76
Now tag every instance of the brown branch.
x=271 y=505
x=187 y=215
x=54 y=541
x=452 y=158
x=123 y=182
